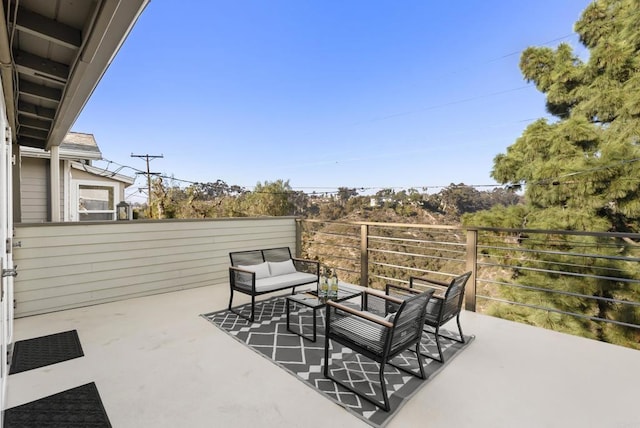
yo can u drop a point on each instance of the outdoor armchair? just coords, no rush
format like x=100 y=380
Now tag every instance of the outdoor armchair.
x=377 y=337
x=445 y=304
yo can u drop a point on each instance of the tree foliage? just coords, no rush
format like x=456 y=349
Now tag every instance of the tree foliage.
x=580 y=170
x=459 y=199
x=218 y=199
x=587 y=161
x=270 y=198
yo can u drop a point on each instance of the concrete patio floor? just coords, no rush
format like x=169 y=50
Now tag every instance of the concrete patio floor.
x=158 y=364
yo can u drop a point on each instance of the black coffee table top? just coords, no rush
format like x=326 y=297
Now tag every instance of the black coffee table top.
x=311 y=299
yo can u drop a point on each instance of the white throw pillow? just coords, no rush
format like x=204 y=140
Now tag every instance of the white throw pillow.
x=282 y=268
x=261 y=270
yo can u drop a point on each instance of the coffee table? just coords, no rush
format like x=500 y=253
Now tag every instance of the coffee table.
x=311 y=300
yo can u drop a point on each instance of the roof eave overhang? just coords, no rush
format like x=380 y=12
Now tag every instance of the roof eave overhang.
x=66 y=154
x=52 y=57
x=113 y=24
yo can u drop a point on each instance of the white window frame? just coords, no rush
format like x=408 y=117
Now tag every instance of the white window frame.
x=75 y=198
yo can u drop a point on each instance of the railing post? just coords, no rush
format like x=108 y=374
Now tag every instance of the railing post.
x=364 y=255
x=298 y=237
x=472 y=265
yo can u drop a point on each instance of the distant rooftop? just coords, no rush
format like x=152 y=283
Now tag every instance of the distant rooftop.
x=79 y=142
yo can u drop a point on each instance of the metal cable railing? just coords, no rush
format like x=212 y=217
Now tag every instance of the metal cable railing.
x=585 y=283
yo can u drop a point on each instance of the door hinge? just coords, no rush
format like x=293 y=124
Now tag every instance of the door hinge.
x=10 y=244
x=10 y=272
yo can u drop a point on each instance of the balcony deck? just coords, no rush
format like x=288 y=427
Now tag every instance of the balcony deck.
x=158 y=364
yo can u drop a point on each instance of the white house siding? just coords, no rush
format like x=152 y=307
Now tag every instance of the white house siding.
x=79 y=264
x=34 y=192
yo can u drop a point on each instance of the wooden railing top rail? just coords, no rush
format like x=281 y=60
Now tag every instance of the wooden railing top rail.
x=558 y=232
x=479 y=228
x=384 y=224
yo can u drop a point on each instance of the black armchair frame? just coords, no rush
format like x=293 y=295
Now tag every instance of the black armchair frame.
x=375 y=337
x=445 y=304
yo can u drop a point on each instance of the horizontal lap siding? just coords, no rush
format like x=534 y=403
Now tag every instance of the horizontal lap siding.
x=34 y=193
x=63 y=266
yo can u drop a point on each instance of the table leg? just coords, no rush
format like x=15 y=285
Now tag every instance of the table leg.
x=314 y=324
x=301 y=332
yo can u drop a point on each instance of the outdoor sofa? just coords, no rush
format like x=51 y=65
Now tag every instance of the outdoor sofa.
x=256 y=272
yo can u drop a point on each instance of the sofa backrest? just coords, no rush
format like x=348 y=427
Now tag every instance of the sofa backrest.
x=254 y=257
x=277 y=254
x=245 y=258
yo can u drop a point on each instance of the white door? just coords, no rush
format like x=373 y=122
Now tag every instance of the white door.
x=6 y=256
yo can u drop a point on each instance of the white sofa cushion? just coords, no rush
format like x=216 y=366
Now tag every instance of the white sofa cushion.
x=282 y=268
x=261 y=269
x=282 y=281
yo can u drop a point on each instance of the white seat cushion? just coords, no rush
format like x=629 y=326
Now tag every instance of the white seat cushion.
x=283 y=281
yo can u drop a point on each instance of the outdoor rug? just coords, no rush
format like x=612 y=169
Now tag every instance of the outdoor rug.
x=269 y=337
x=45 y=350
x=76 y=407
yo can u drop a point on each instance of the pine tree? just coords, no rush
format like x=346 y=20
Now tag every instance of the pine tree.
x=580 y=171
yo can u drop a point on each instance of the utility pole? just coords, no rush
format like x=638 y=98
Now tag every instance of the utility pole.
x=148 y=158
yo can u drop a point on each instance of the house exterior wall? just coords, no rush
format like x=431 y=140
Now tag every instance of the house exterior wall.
x=85 y=176
x=69 y=265
x=34 y=192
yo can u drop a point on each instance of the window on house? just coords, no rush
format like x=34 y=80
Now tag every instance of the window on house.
x=96 y=203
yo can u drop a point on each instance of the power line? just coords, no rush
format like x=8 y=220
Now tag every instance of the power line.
x=334 y=190
x=556 y=180
x=448 y=104
x=459 y=70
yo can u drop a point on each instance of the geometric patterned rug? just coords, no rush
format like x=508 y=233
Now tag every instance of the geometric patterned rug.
x=269 y=337
x=45 y=350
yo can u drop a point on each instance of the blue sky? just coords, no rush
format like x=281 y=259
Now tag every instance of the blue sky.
x=324 y=93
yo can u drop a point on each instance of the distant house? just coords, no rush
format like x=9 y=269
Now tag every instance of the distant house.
x=86 y=192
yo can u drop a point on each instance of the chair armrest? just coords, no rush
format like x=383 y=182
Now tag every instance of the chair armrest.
x=413 y=291
x=401 y=288
x=379 y=294
x=429 y=281
x=440 y=287
x=233 y=268
x=361 y=314
x=313 y=263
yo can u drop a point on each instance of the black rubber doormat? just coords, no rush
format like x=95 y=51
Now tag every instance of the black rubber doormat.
x=76 y=407
x=45 y=350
